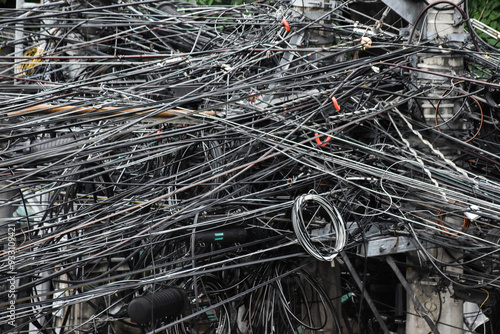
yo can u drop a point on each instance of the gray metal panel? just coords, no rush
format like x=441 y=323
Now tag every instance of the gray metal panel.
x=407 y=9
x=309 y=3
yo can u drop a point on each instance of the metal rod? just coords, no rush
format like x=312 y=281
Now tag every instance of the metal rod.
x=367 y=297
x=418 y=305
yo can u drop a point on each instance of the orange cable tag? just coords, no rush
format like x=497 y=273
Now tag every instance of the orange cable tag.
x=285 y=23
x=335 y=103
x=318 y=141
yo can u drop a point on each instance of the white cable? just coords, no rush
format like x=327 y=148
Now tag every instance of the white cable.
x=337 y=228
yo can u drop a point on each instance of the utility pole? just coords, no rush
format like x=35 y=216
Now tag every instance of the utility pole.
x=442 y=26
x=430 y=305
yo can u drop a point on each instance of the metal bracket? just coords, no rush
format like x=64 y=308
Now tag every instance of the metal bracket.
x=457 y=17
x=390 y=245
x=462 y=38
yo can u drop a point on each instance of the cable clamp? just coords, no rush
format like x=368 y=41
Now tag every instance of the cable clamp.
x=103 y=90
x=226 y=68
x=294 y=179
x=366 y=42
x=470 y=214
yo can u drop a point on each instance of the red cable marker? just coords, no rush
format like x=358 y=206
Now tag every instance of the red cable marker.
x=318 y=141
x=335 y=103
x=285 y=23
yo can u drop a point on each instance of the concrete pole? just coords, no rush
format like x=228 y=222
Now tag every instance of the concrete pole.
x=18 y=35
x=440 y=26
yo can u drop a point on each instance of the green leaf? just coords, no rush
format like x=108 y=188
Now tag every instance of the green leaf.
x=493 y=16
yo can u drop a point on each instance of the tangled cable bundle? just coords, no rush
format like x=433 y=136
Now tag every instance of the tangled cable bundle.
x=161 y=153
x=302 y=225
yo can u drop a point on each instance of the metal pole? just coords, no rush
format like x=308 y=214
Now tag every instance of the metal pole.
x=367 y=297
x=412 y=295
